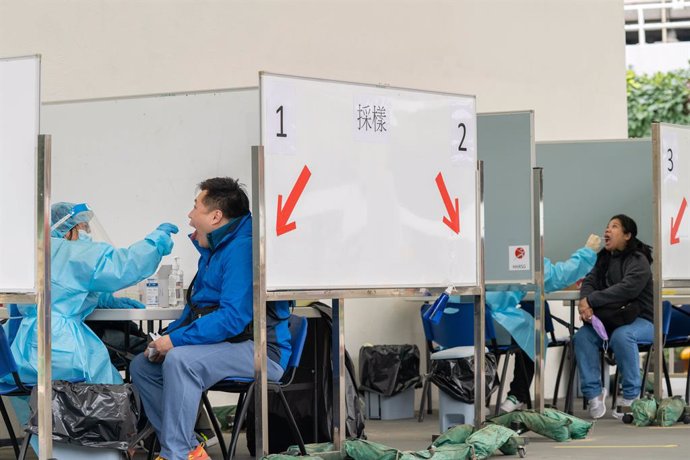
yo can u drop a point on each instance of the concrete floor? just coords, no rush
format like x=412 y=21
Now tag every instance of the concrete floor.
x=609 y=437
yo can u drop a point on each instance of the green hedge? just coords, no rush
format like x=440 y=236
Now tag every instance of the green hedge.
x=663 y=97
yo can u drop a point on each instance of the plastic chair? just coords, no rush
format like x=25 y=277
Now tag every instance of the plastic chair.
x=679 y=336
x=245 y=388
x=9 y=366
x=450 y=338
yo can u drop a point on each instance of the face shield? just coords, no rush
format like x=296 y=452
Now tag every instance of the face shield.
x=76 y=222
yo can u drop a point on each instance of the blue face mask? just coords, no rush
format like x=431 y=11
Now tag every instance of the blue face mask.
x=84 y=236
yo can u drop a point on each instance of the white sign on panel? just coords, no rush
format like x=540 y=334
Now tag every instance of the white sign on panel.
x=19 y=111
x=675 y=195
x=367 y=186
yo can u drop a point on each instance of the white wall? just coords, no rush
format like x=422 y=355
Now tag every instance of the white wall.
x=657 y=57
x=563 y=58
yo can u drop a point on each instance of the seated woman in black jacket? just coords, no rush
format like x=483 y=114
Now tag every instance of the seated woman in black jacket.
x=618 y=291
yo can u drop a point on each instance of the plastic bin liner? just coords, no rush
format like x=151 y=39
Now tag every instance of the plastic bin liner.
x=91 y=415
x=456 y=376
x=388 y=369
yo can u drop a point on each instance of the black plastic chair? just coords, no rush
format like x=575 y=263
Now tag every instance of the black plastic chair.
x=245 y=388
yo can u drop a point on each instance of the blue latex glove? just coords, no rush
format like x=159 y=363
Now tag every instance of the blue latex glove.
x=168 y=228
x=126 y=302
x=107 y=300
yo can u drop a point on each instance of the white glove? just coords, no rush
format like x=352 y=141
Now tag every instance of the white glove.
x=593 y=242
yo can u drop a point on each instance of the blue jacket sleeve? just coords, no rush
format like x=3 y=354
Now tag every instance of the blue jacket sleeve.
x=562 y=274
x=119 y=268
x=183 y=317
x=235 y=310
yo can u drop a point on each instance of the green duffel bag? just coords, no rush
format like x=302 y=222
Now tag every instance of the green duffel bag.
x=670 y=411
x=360 y=449
x=644 y=411
x=454 y=435
x=578 y=428
x=552 y=428
x=491 y=438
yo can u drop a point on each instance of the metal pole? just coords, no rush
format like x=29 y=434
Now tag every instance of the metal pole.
x=656 y=265
x=338 y=362
x=539 y=313
x=479 y=307
x=45 y=419
x=259 y=264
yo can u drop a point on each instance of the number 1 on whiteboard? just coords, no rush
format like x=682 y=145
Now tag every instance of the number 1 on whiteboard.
x=280 y=113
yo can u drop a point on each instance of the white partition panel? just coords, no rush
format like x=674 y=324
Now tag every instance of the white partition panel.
x=674 y=200
x=137 y=160
x=19 y=114
x=367 y=186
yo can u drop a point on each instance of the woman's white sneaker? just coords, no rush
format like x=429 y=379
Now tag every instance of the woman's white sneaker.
x=597 y=406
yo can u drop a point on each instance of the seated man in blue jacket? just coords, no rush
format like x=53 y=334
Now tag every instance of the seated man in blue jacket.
x=213 y=337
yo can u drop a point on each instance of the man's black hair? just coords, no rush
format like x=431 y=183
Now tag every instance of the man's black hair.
x=226 y=194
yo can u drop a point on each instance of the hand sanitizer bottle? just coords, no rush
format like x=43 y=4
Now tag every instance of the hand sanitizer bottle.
x=175 y=285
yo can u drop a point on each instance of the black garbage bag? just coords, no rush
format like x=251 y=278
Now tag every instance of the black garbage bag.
x=388 y=369
x=310 y=395
x=456 y=376
x=91 y=415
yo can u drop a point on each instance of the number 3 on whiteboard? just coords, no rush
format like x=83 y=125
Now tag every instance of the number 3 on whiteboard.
x=669 y=160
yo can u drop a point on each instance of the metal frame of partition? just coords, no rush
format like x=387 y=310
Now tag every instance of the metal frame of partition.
x=42 y=296
x=539 y=309
x=261 y=296
x=659 y=283
x=536 y=284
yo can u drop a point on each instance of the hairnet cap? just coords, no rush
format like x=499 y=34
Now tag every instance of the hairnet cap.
x=58 y=211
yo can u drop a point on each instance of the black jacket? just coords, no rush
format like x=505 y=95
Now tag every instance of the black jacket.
x=627 y=279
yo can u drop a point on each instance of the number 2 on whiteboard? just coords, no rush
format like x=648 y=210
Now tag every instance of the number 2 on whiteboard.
x=280 y=114
x=462 y=127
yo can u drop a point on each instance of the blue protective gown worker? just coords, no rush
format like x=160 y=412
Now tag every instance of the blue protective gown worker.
x=83 y=276
x=519 y=323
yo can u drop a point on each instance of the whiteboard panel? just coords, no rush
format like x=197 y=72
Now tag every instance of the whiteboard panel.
x=588 y=182
x=506 y=143
x=675 y=200
x=364 y=177
x=19 y=112
x=137 y=161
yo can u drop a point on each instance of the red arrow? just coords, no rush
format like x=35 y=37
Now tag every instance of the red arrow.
x=284 y=213
x=675 y=225
x=453 y=211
